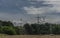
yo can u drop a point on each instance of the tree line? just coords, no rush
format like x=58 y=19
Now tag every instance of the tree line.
x=7 y=27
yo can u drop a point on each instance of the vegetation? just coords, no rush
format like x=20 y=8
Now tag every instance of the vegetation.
x=7 y=27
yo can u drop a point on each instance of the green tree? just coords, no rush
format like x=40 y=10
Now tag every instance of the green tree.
x=20 y=30
x=28 y=29
x=35 y=29
x=9 y=30
x=7 y=23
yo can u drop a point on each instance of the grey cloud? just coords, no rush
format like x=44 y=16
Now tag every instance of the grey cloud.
x=16 y=6
x=22 y=3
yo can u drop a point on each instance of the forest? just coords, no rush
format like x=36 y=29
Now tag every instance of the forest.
x=7 y=27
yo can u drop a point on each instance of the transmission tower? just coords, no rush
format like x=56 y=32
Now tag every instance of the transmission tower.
x=43 y=19
x=21 y=22
x=40 y=19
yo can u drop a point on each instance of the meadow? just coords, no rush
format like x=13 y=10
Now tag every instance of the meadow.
x=29 y=36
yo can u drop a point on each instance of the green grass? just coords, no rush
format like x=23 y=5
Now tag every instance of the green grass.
x=29 y=36
x=2 y=35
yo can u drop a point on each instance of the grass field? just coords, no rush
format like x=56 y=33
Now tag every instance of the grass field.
x=30 y=36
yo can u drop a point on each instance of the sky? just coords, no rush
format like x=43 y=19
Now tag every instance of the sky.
x=14 y=10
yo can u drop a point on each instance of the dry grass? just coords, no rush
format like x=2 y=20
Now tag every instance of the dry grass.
x=30 y=36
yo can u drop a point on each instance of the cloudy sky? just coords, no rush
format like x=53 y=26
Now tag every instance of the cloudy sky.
x=28 y=10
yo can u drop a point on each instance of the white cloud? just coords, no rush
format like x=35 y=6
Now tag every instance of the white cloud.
x=34 y=0
x=53 y=20
x=33 y=10
x=42 y=10
x=55 y=3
